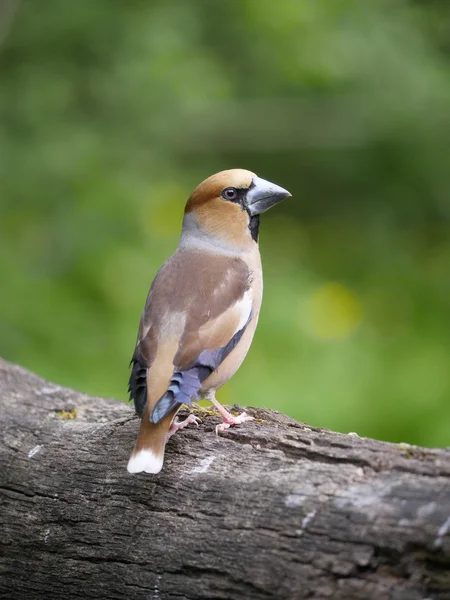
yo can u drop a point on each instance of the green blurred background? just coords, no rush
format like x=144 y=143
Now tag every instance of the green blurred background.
x=111 y=112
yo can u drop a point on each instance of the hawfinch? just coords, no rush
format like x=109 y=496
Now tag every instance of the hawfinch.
x=201 y=311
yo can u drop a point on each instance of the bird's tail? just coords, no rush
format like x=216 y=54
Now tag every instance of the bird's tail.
x=148 y=453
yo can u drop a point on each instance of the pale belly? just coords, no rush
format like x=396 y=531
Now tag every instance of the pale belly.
x=233 y=361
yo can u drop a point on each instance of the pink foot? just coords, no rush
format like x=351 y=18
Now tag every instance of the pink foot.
x=177 y=425
x=229 y=421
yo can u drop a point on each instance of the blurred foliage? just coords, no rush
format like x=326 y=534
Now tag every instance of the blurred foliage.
x=111 y=112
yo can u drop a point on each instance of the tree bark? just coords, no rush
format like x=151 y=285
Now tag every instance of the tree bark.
x=269 y=510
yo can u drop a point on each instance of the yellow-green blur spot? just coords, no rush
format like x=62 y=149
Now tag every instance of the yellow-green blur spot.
x=332 y=312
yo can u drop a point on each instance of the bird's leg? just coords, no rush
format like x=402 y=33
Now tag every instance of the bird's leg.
x=176 y=425
x=228 y=419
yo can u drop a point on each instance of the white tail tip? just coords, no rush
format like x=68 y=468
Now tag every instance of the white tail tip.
x=145 y=460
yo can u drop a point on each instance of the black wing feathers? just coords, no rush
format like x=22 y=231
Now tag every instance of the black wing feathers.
x=137 y=385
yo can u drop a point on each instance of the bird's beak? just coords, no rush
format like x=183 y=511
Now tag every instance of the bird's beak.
x=262 y=195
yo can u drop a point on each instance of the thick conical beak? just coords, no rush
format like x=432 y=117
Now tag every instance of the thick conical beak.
x=262 y=195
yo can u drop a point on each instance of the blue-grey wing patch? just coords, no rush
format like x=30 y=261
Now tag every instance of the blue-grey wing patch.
x=184 y=385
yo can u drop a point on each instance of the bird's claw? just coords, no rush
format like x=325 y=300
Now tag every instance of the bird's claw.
x=188 y=420
x=177 y=425
x=229 y=420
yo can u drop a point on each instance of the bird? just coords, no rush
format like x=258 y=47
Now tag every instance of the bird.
x=201 y=311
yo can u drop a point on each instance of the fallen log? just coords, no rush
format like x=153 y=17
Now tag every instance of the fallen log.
x=270 y=510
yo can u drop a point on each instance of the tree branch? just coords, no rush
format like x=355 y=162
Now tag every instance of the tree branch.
x=271 y=510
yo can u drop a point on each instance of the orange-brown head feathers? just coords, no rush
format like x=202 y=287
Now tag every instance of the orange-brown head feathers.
x=225 y=208
x=211 y=189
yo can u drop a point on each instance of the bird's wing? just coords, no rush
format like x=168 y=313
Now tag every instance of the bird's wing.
x=197 y=310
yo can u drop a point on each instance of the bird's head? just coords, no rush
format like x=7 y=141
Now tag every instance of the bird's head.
x=226 y=207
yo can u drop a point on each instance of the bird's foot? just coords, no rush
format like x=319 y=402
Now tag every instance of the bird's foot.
x=229 y=420
x=177 y=425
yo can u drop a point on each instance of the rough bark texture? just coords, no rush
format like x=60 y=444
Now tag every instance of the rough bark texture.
x=270 y=510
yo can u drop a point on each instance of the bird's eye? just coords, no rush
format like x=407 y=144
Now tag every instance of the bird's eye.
x=229 y=193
